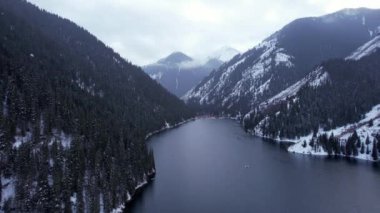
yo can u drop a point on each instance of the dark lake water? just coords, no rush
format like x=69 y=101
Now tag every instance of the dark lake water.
x=214 y=166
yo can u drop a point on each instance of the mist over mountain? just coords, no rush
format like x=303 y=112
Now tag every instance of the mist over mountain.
x=179 y=73
x=82 y=129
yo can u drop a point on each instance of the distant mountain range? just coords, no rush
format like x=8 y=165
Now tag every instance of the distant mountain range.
x=178 y=73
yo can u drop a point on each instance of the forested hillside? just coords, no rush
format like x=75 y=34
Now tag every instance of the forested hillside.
x=74 y=116
x=348 y=92
x=333 y=110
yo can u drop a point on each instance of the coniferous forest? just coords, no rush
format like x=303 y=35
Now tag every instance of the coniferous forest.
x=74 y=115
x=351 y=91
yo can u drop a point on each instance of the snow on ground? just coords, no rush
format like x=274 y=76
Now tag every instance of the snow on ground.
x=316 y=78
x=7 y=189
x=119 y=209
x=261 y=88
x=62 y=138
x=5 y=106
x=367 y=49
x=342 y=14
x=362 y=128
x=19 y=139
x=370 y=33
x=156 y=76
x=282 y=58
x=166 y=127
x=73 y=200
x=116 y=60
x=320 y=79
x=101 y=202
x=58 y=136
x=227 y=73
x=89 y=88
x=269 y=55
x=142 y=184
x=252 y=76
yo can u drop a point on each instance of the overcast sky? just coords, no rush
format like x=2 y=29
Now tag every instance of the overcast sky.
x=143 y=31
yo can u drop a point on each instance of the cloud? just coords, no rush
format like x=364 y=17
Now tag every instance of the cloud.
x=143 y=31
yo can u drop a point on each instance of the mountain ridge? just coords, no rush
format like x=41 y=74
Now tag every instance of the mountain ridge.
x=280 y=60
x=337 y=100
x=73 y=108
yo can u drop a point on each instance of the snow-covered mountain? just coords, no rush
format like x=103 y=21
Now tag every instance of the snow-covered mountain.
x=282 y=59
x=178 y=73
x=339 y=98
x=224 y=54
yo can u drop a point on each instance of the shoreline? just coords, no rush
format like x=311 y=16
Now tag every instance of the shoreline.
x=150 y=177
x=294 y=142
x=168 y=127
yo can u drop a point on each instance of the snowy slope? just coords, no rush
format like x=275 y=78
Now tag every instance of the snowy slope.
x=367 y=127
x=363 y=128
x=7 y=189
x=319 y=77
x=253 y=80
x=366 y=49
x=316 y=78
x=284 y=58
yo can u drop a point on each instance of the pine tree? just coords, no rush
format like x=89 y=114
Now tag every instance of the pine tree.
x=362 y=148
x=311 y=143
x=304 y=144
x=367 y=142
x=370 y=123
x=41 y=96
x=1 y=187
x=375 y=151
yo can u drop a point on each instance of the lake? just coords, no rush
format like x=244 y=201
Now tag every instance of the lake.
x=212 y=165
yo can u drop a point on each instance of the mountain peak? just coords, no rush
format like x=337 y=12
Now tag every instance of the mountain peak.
x=224 y=54
x=175 y=58
x=354 y=13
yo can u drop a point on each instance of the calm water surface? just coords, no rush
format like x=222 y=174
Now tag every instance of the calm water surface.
x=214 y=166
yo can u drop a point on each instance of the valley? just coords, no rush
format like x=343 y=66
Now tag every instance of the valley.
x=290 y=124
